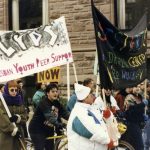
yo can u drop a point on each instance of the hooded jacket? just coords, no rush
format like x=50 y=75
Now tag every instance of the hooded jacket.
x=86 y=129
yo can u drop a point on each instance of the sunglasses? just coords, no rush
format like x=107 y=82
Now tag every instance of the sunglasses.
x=13 y=90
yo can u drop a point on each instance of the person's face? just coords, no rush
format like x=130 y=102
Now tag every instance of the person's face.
x=136 y=90
x=52 y=94
x=148 y=88
x=43 y=86
x=90 y=99
x=2 y=89
x=108 y=92
x=142 y=86
x=21 y=85
x=91 y=85
x=13 y=91
x=129 y=90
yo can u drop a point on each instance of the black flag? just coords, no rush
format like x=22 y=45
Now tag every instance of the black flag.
x=148 y=69
x=121 y=56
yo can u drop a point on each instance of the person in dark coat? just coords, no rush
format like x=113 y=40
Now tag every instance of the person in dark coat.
x=9 y=134
x=134 y=114
x=47 y=115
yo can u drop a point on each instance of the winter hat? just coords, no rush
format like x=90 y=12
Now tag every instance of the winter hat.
x=81 y=91
x=12 y=83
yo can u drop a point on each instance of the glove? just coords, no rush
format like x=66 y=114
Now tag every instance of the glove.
x=16 y=133
x=111 y=145
x=15 y=118
x=145 y=117
x=60 y=125
x=113 y=109
x=145 y=101
x=106 y=113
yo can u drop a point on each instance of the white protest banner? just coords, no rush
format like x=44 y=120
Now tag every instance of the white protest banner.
x=30 y=51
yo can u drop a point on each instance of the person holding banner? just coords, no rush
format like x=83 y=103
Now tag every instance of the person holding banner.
x=86 y=129
x=87 y=82
x=47 y=115
x=134 y=114
x=9 y=134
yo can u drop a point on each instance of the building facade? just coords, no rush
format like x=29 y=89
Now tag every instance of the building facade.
x=79 y=24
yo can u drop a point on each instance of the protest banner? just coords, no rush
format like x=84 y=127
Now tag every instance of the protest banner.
x=148 y=69
x=26 y=52
x=121 y=56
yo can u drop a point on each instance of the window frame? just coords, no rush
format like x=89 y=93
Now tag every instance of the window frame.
x=120 y=14
x=15 y=13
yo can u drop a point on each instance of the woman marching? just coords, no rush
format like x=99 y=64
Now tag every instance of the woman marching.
x=9 y=134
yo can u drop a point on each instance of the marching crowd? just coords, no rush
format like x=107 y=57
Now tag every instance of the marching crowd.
x=92 y=120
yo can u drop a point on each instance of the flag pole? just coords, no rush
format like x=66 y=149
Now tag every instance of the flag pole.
x=97 y=85
x=145 y=94
x=9 y=115
x=68 y=81
x=104 y=98
x=75 y=73
x=145 y=88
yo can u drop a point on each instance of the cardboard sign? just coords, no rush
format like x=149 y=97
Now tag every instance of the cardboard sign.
x=50 y=75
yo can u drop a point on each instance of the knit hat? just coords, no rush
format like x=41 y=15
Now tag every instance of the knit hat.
x=81 y=91
x=12 y=83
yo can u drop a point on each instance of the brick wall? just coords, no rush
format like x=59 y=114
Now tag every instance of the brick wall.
x=80 y=28
x=78 y=19
x=81 y=32
x=3 y=14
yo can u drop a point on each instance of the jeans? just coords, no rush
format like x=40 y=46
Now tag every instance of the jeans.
x=133 y=135
x=146 y=135
x=41 y=143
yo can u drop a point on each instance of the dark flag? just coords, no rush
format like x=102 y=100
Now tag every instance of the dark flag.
x=121 y=56
x=148 y=69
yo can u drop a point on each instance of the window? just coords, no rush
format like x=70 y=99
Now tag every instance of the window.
x=27 y=14
x=30 y=14
x=132 y=11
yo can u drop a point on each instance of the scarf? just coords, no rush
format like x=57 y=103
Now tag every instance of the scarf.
x=12 y=100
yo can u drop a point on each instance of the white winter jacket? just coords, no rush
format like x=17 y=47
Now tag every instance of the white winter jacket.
x=86 y=129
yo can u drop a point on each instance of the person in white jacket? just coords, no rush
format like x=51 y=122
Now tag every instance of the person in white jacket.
x=86 y=129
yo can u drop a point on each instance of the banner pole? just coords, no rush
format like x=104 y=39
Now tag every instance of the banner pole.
x=145 y=88
x=104 y=98
x=97 y=85
x=68 y=81
x=145 y=94
x=75 y=73
x=9 y=115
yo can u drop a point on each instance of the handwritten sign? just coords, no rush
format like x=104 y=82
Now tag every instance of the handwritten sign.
x=31 y=51
x=50 y=75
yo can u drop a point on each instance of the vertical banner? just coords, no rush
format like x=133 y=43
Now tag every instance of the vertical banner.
x=25 y=52
x=121 y=56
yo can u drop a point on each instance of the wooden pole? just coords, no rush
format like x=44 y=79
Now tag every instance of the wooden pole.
x=145 y=94
x=104 y=98
x=75 y=73
x=145 y=88
x=97 y=85
x=68 y=81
